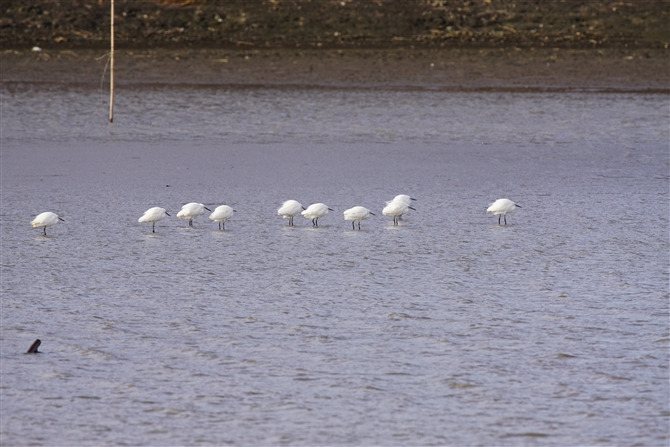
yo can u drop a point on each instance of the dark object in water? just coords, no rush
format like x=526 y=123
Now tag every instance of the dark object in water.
x=33 y=348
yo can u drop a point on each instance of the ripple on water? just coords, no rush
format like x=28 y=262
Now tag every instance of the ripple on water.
x=447 y=329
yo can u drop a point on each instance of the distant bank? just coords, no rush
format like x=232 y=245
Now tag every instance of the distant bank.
x=341 y=24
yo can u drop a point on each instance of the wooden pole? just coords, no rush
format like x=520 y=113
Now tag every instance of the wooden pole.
x=111 y=70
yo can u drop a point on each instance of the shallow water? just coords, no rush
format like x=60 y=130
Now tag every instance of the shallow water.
x=445 y=330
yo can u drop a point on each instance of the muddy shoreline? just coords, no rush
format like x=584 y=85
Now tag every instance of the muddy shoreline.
x=455 y=44
x=498 y=69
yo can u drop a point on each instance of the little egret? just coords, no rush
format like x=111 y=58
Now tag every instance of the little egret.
x=402 y=198
x=501 y=207
x=45 y=220
x=396 y=209
x=153 y=215
x=289 y=209
x=357 y=213
x=221 y=214
x=314 y=211
x=191 y=211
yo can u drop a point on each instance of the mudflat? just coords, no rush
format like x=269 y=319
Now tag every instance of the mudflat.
x=459 y=44
x=618 y=69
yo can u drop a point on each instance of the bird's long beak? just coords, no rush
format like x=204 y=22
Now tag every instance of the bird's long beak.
x=412 y=198
x=411 y=208
x=517 y=205
x=373 y=214
x=61 y=219
x=168 y=213
x=303 y=207
x=330 y=209
x=208 y=209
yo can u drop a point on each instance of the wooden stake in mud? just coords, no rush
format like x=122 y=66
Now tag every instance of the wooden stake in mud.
x=111 y=70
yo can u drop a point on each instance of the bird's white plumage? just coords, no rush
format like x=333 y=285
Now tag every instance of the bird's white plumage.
x=44 y=220
x=221 y=214
x=289 y=209
x=356 y=214
x=314 y=211
x=402 y=198
x=153 y=215
x=396 y=208
x=191 y=211
x=502 y=207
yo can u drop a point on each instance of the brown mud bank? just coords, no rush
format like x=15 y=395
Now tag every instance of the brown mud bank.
x=480 y=69
x=481 y=44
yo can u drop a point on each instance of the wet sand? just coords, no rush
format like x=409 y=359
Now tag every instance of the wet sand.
x=616 y=69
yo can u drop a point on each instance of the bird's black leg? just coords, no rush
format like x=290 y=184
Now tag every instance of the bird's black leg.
x=505 y=215
x=359 y=224
x=353 y=222
x=153 y=227
x=223 y=225
x=499 y=216
x=45 y=231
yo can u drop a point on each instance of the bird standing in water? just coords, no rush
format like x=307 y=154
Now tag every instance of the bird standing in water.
x=314 y=211
x=44 y=220
x=153 y=215
x=289 y=209
x=356 y=214
x=221 y=214
x=191 y=211
x=502 y=207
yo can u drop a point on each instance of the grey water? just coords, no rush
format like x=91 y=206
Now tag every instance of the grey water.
x=447 y=329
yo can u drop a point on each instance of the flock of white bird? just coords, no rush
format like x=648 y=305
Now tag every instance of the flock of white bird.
x=394 y=208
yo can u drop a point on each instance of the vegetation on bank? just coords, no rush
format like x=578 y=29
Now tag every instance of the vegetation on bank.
x=336 y=23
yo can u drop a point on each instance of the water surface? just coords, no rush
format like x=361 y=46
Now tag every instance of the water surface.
x=445 y=330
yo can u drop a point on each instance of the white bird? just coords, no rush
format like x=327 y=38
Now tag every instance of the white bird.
x=221 y=214
x=396 y=209
x=501 y=207
x=402 y=198
x=289 y=209
x=191 y=211
x=314 y=211
x=153 y=215
x=357 y=213
x=45 y=220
